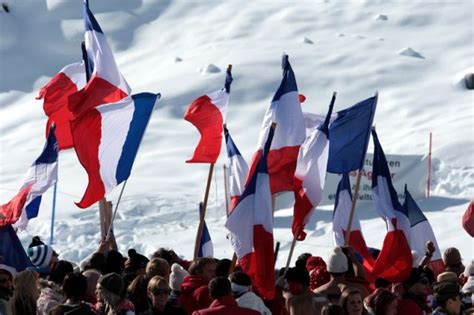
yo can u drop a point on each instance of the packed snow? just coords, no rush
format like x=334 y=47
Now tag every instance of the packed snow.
x=179 y=48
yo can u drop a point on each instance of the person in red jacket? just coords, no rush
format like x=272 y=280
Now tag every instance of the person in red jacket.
x=223 y=304
x=413 y=301
x=194 y=290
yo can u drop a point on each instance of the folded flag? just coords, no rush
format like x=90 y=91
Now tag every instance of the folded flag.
x=238 y=169
x=106 y=84
x=394 y=262
x=106 y=140
x=310 y=175
x=11 y=251
x=421 y=232
x=251 y=228
x=206 y=249
x=41 y=175
x=340 y=221
x=349 y=136
x=285 y=110
x=55 y=94
x=208 y=113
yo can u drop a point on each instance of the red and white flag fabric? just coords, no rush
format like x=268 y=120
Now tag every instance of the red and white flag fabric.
x=106 y=83
x=285 y=110
x=238 y=170
x=251 y=228
x=394 y=262
x=55 y=94
x=421 y=232
x=340 y=221
x=310 y=175
x=208 y=114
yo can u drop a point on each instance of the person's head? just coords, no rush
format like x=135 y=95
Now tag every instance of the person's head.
x=240 y=283
x=448 y=297
x=338 y=263
x=222 y=267
x=42 y=257
x=137 y=290
x=157 y=267
x=453 y=261
x=92 y=277
x=158 y=291
x=318 y=277
x=6 y=277
x=168 y=255
x=301 y=260
x=25 y=284
x=177 y=277
x=110 y=289
x=96 y=262
x=298 y=280
x=332 y=309
x=351 y=302
x=135 y=263
x=204 y=267
x=59 y=271
x=315 y=262
x=219 y=287
x=74 y=286
x=382 y=302
x=417 y=282
x=114 y=262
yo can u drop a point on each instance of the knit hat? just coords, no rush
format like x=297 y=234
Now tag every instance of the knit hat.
x=315 y=262
x=469 y=271
x=177 y=277
x=447 y=276
x=40 y=255
x=113 y=283
x=468 y=287
x=318 y=277
x=337 y=262
x=135 y=261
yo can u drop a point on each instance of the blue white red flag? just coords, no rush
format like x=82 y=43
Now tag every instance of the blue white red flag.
x=349 y=136
x=55 y=94
x=251 y=228
x=206 y=249
x=41 y=175
x=208 y=114
x=238 y=170
x=12 y=253
x=106 y=141
x=421 y=233
x=285 y=110
x=394 y=262
x=310 y=175
x=106 y=84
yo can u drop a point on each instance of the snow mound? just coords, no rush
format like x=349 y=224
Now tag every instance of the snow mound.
x=211 y=69
x=410 y=53
x=306 y=40
x=381 y=17
x=177 y=59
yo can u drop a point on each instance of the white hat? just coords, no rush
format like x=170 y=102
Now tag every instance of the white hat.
x=469 y=271
x=337 y=262
x=468 y=287
x=9 y=269
x=177 y=277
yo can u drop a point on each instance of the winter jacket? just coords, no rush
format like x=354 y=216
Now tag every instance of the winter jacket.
x=5 y=302
x=50 y=296
x=411 y=304
x=73 y=309
x=169 y=310
x=194 y=294
x=124 y=308
x=253 y=301
x=226 y=305
x=439 y=311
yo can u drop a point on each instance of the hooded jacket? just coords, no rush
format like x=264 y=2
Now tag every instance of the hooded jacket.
x=225 y=305
x=50 y=296
x=194 y=294
x=252 y=301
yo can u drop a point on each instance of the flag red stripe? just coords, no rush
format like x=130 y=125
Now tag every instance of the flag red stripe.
x=302 y=209
x=12 y=210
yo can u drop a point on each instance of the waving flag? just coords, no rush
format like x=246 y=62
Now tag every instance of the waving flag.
x=55 y=93
x=238 y=169
x=421 y=232
x=251 y=228
x=310 y=175
x=41 y=175
x=106 y=84
x=340 y=221
x=106 y=140
x=208 y=114
x=394 y=262
x=11 y=251
x=285 y=110
x=206 y=249
x=349 y=136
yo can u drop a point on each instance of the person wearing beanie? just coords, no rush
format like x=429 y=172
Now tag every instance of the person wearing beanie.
x=453 y=261
x=414 y=299
x=51 y=293
x=176 y=279
x=337 y=266
x=448 y=298
x=241 y=286
x=135 y=263
x=43 y=257
x=111 y=291
x=315 y=262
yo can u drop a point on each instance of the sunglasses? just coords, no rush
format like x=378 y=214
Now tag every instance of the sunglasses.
x=161 y=291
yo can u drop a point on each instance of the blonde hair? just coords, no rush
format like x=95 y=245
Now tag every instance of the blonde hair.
x=157 y=267
x=157 y=282
x=26 y=291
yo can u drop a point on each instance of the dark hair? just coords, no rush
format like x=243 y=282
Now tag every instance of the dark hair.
x=137 y=293
x=198 y=265
x=379 y=300
x=301 y=260
x=74 y=285
x=114 y=262
x=298 y=275
x=59 y=271
x=240 y=278
x=165 y=254
x=219 y=287
x=333 y=309
x=345 y=296
x=36 y=241
x=222 y=267
x=96 y=262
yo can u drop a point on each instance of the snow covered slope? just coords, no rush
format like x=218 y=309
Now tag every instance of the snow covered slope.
x=413 y=53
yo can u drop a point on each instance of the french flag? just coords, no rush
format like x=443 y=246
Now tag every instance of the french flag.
x=421 y=232
x=106 y=139
x=394 y=262
x=251 y=228
x=285 y=110
x=41 y=175
x=208 y=113
x=340 y=220
x=310 y=175
x=106 y=83
x=206 y=249
x=238 y=169
x=55 y=94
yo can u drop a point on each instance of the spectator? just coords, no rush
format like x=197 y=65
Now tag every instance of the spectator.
x=337 y=267
x=158 y=291
x=25 y=293
x=171 y=257
x=223 y=267
x=241 y=286
x=92 y=277
x=158 y=267
x=114 y=262
x=414 y=299
x=110 y=290
x=299 y=299
x=74 y=287
x=176 y=279
x=51 y=289
x=448 y=298
x=453 y=261
x=382 y=302
x=7 y=274
x=137 y=293
x=351 y=302
x=43 y=257
x=136 y=263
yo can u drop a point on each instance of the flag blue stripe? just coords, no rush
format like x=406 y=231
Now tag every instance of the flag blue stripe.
x=32 y=208
x=144 y=103
x=231 y=147
x=344 y=184
x=415 y=215
x=288 y=83
x=49 y=154
x=90 y=22
x=11 y=249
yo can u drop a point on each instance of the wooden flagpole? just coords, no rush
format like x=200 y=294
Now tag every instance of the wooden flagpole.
x=109 y=232
x=292 y=248
x=203 y=214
